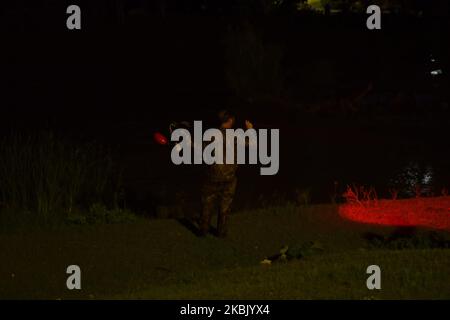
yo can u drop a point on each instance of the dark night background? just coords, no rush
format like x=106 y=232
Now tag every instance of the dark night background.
x=83 y=182
x=353 y=105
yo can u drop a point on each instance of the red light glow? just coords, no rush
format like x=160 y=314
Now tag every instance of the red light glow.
x=431 y=212
x=160 y=138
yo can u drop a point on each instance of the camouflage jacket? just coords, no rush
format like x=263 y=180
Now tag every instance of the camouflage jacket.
x=222 y=172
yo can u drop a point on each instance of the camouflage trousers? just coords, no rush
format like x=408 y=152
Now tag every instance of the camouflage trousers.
x=217 y=197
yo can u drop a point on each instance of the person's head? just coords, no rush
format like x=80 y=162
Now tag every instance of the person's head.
x=226 y=119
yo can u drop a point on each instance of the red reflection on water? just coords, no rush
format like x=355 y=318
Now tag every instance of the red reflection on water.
x=427 y=212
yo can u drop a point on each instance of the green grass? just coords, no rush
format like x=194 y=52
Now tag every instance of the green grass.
x=334 y=276
x=161 y=259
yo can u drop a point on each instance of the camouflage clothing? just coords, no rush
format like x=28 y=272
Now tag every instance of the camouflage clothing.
x=221 y=173
x=218 y=191
x=217 y=195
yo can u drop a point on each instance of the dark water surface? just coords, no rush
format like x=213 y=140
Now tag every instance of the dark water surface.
x=318 y=159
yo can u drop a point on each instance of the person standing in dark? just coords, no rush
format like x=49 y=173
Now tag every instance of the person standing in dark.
x=220 y=184
x=327 y=9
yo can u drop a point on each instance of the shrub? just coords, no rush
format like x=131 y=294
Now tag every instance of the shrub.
x=100 y=214
x=408 y=238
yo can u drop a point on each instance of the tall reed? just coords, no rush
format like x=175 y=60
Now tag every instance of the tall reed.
x=45 y=177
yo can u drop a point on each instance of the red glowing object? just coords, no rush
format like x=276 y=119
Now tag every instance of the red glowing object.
x=160 y=138
x=433 y=212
